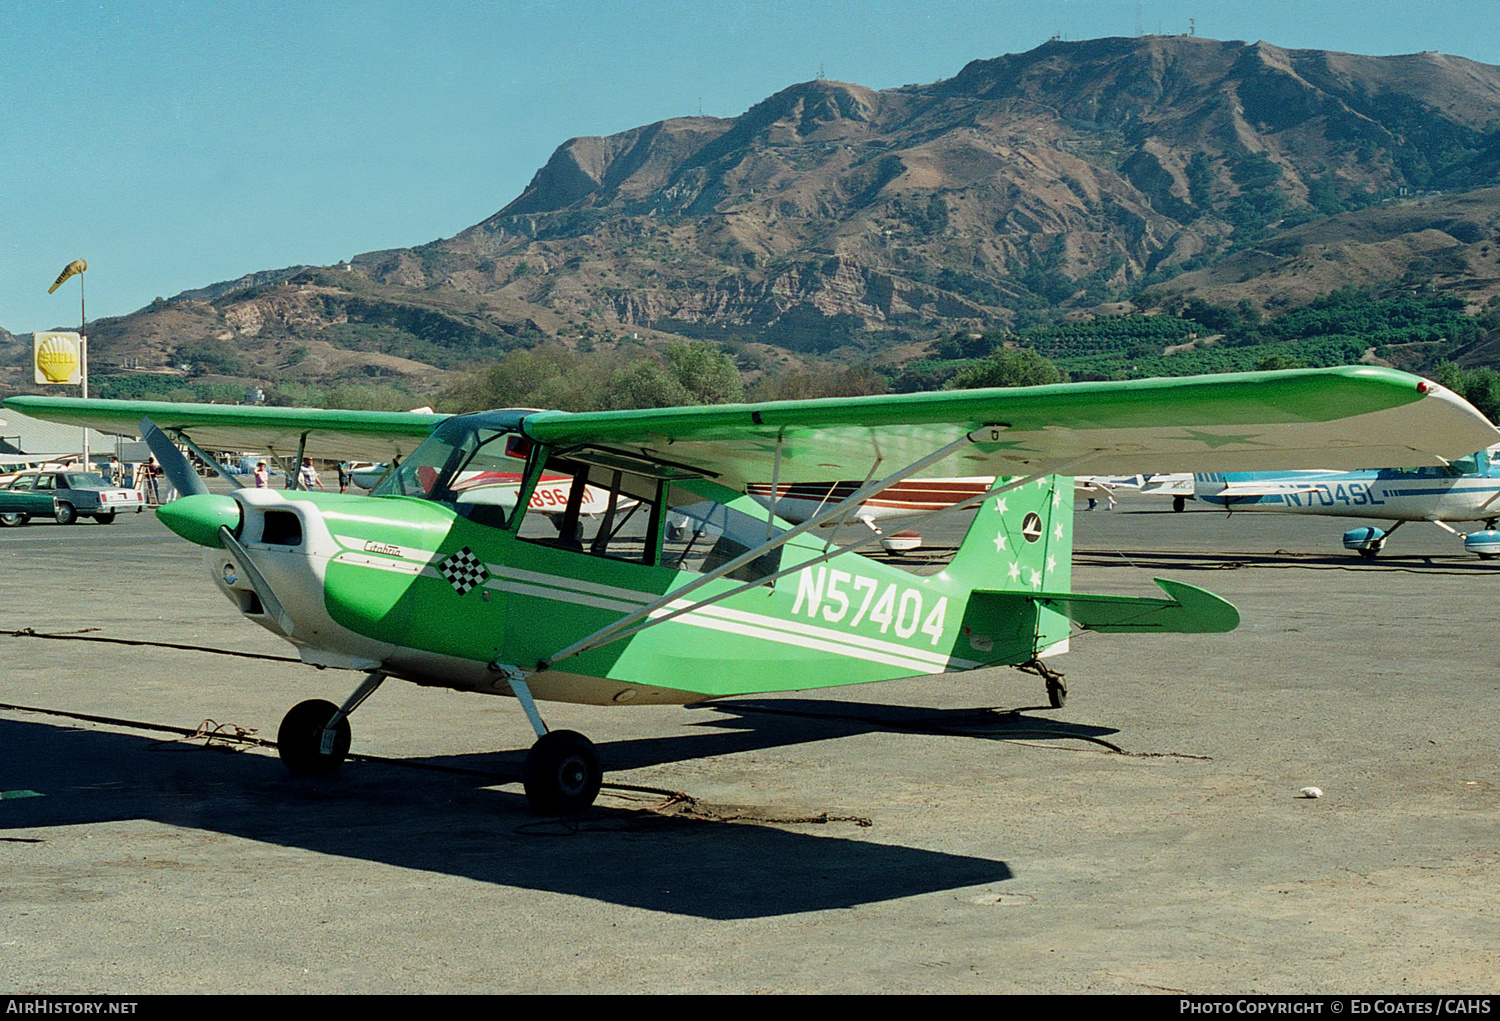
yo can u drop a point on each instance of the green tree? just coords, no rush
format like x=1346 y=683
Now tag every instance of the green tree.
x=1008 y=367
x=706 y=373
x=820 y=381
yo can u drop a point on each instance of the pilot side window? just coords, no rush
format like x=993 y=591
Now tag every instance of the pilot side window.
x=702 y=535
x=603 y=511
x=595 y=510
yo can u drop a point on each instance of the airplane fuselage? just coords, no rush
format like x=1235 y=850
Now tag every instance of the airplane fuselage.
x=1390 y=494
x=413 y=588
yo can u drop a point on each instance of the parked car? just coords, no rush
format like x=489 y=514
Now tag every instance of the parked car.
x=19 y=506
x=79 y=494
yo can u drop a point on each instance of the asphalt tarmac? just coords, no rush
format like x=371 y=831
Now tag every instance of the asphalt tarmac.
x=949 y=834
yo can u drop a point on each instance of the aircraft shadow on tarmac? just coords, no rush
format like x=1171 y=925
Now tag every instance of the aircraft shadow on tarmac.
x=456 y=824
x=751 y=724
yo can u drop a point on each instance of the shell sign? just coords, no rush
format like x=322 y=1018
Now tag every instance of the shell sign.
x=56 y=357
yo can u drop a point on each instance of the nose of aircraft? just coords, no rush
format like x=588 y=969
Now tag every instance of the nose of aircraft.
x=198 y=518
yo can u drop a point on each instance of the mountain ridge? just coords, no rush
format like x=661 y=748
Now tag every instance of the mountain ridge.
x=835 y=220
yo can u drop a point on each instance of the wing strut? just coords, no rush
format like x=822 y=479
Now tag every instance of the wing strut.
x=616 y=631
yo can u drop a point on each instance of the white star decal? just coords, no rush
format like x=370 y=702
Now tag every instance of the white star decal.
x=1015 y=571
x=1051 y=564
x=1056 y=498
x=1058 y=531
x=1042 y=483
x=1036 y=578
x=1000 y=504
x=999 y=542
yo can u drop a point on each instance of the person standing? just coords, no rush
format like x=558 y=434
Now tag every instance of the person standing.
x=307 y=477
x=262 y=476
x=344 y=476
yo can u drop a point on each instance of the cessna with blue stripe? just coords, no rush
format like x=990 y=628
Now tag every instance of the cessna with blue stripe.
x=1465 y=489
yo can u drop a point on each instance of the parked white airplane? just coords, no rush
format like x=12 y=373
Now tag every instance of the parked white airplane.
x=1467 y=489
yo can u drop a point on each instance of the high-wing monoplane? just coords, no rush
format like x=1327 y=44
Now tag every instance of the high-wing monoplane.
x=1464 y=489
x=441 y=579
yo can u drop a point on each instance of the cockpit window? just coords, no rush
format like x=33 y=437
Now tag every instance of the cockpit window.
x=474 y=468
x=703 y=535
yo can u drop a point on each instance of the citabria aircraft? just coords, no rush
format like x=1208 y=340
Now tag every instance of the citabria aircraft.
x=1465 y=489
x=441 y=579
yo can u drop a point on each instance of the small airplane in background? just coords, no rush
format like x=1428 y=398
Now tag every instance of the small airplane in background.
x=448 y=575
x=798 y=502
x=1467 y=489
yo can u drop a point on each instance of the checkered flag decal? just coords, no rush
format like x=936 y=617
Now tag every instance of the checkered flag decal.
x=463 y=571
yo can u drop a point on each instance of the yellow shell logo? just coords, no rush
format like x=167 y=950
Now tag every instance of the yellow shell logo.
x=57 y=359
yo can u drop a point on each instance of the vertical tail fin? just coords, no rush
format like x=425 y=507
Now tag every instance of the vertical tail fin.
x=1022 y=541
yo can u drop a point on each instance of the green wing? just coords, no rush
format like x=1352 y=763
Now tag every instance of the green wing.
x=1351 y=417
x=1345 y=418
x=337 y=435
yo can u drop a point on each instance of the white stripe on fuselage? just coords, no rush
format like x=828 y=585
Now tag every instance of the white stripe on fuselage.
x=717 y=617
x=1404 y=499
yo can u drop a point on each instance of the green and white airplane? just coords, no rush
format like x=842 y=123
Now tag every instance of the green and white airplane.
x=457 y=572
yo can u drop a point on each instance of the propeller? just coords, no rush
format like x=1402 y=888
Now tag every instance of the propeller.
x=179 y=470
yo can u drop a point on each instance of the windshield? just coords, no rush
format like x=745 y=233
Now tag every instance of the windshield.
x=475 y=468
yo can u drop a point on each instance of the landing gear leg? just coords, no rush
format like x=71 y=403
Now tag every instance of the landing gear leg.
x=314 y=736
x=1057 y=689
x=562 y=773
x=1057 y=692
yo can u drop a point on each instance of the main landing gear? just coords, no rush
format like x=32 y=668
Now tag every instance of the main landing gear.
x=1057 y=687
x=562 y=774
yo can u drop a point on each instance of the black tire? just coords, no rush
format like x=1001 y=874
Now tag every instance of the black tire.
x=1369 y=554
x=1057 y=693
x=66 y=514
x=299 y=741
x=105 y=519
x=562 y=774
x=13 y=520
x=1179 y=503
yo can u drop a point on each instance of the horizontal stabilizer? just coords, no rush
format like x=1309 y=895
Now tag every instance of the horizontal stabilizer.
x=1190 y=610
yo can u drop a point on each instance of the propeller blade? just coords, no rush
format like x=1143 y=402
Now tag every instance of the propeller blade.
x=178 y=469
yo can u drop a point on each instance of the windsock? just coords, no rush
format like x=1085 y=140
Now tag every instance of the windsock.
x=72 y=268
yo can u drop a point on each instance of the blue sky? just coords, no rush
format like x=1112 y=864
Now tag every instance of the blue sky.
x=174 y=143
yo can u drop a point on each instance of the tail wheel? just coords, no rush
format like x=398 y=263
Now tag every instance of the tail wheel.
x=562 y=774
x=300 y=739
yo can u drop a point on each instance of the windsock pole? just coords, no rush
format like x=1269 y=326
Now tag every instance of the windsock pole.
x=77 y=268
